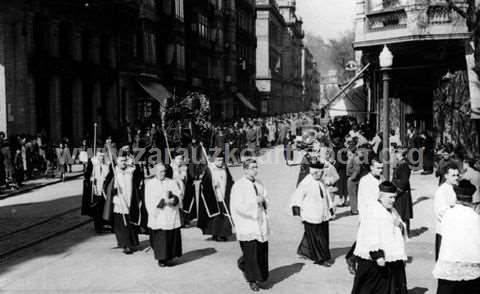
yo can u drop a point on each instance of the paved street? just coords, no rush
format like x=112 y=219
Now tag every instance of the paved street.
x=83 y=262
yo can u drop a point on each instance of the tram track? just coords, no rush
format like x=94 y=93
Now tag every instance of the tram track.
x=36 y=233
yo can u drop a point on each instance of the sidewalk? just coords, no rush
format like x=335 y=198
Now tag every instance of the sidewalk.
x=40 y=182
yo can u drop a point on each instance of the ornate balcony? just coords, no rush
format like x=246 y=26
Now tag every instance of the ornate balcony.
x=387 y=20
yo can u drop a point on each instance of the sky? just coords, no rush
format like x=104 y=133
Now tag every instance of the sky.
x=326 y=18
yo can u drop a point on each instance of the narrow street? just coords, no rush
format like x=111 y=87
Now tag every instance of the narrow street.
x=80 y=261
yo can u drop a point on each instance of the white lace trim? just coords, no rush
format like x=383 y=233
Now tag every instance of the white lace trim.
x=456 y=270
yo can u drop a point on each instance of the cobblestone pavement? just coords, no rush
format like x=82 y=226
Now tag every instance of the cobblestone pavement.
x=83 y=262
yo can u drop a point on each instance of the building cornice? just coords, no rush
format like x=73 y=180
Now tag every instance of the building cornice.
x=412 y=38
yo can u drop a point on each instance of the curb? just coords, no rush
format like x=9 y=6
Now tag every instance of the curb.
x=19 y=192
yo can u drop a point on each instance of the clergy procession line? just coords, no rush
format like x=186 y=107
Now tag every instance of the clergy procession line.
x=204 y=194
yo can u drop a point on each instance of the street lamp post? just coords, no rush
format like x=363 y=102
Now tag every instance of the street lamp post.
x=386 y=61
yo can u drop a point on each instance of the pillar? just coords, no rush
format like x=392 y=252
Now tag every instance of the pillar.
x=96 y=104
x=77 y=110
x=55 y=109
x=54 y=41
x=77 y=44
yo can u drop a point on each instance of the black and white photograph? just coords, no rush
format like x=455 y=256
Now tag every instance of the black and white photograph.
x=239 y=146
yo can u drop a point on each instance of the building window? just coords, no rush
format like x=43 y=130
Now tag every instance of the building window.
x=144 y=109
x=203 y=26
x=180 y=56
x=150 y=48
x=179 y=9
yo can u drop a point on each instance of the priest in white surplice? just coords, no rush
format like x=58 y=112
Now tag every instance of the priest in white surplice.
x=163 y=202
x=248 y=206
x=313 y=203
x=381 y=247
x=458 y=265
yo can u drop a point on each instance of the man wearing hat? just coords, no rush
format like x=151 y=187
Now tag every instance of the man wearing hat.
x=444 y=199
x=381 y=247
x=163 y=202
x=458 y=265
x=313 y=203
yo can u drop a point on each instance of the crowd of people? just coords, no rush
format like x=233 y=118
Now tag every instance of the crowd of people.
x=340 y=166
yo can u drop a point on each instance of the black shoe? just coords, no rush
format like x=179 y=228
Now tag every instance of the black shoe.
x=127 y=251
x=254 y=286
x=353 y=212
x=161 y=264
x=325 y=263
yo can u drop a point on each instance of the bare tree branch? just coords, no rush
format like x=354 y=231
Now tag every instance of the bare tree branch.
x=456 y=8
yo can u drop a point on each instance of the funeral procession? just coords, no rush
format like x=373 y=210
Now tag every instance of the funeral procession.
x=239 y=146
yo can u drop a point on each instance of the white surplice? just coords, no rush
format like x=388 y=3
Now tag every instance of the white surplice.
x=380 y=229
x=459 y=257
x=314 y=208
x=250 y=218
x=168 y=217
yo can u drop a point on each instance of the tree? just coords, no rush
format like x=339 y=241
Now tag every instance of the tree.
x=472 y=19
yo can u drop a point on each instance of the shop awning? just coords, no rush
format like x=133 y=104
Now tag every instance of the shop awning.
x=156 y=90
x=347 y=86
x=245 y=101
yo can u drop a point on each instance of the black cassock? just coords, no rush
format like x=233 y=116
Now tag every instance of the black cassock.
x=88 y=202
x=218 y=225
x=373 y=279
x=403 y=202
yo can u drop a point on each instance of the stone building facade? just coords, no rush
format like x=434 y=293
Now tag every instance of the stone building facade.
x=281 y=66
x=65 y=65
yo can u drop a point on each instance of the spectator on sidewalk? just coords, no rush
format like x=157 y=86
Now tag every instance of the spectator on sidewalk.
x=83 y=155
x=7 y=162
x=19 y=168
x=61 y=160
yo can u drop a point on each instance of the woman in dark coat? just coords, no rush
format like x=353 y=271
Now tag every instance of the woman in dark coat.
x=401 y=179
